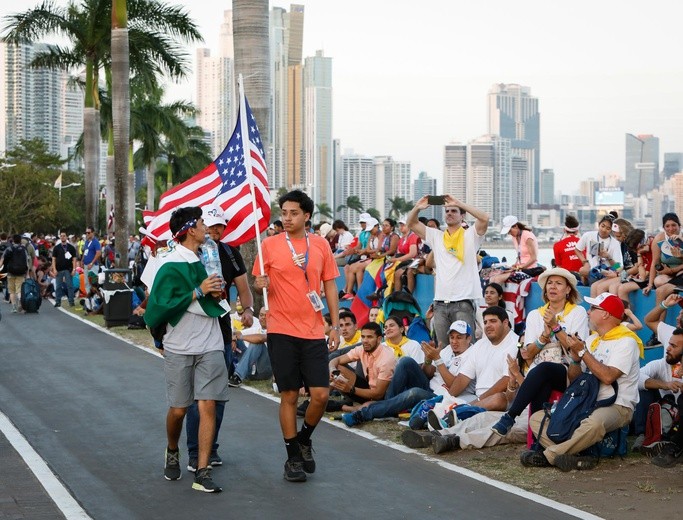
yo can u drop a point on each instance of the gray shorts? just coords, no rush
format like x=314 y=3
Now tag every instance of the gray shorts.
x=201 y=377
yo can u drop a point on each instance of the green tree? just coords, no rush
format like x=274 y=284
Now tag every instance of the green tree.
x=374 y=214
x=324 y=210
x=399 y=206
x=185 y=158
x=353 y=202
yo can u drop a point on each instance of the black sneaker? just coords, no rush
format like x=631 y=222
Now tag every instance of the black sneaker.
x=444 y=443
x=417 y=438
x=307 y=455
x=294 y=470
x=653 y=341
x=192 y=464
x=533 y=459
x=172 y=465
x=235 y=381
x=203 y=482
x=656 y=448
x=58 y=304
x=567 y=462
x=215 y=459
x=669 y=457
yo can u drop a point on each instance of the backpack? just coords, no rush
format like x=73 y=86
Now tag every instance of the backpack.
x=418 y=331
x=661 y=418
x=30 y=295
x=577 y=403
x=18 y=260
x=614 y=443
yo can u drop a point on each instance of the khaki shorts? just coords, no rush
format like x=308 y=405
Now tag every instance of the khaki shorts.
x=14 y=283
x=191 y=378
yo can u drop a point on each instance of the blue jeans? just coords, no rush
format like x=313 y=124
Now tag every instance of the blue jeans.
x=192 y=419
x=64 y=278
x=255 y=355
x=408 y=387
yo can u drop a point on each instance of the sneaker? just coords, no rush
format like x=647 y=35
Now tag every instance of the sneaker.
x=235 y=381
x=307 y=456
x=638 y=443
x=72 y=304
x=352 y=419
x=172 y=465
x=192 y=464
x=58 y=304
x=215 y=459
x=669 y=457
x=567 y=462
x=203 y=482
x=434 y=421
x=347 y=296
x=301 y=409
x=533 y=459
x=443 y=443
x=656 y=448
x=294 y=470
x=653 y=341
x=503 y=426
x=418 y=439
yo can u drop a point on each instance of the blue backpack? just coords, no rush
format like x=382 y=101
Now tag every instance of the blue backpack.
x=578 y=402
x=418 y=331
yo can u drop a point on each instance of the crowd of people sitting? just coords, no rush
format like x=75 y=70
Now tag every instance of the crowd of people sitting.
x=484 y=375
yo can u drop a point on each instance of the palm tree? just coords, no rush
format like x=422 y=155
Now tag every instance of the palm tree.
x=399 y=206
x=120 y=95
x=324 y=210
x=374 y=214
x=353 y=202
x=185 y=157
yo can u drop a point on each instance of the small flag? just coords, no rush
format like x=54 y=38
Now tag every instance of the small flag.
x=58 y=182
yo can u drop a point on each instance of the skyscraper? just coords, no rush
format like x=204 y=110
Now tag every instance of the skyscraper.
x=318 y=126
x=357 y=179
x=673 y=164
x=547 y=186
x=455 y=169
x=642 y=164
x=392 y=180
x=426 y=185
x=513 y=114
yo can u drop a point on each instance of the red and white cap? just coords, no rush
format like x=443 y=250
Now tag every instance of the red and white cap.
x=608 y=302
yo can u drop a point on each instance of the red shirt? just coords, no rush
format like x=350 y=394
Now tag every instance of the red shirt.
x=565 y=254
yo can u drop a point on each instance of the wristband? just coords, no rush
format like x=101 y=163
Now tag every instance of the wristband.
x=663 y=305
x=557 y=329
x=438 y=362
x=540 y=345
x=576 y=362
x=198 y=292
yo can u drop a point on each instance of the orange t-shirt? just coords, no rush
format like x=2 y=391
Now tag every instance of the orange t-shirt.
x=290 y=311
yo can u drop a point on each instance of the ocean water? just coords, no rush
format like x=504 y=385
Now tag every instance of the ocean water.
x=545 y=254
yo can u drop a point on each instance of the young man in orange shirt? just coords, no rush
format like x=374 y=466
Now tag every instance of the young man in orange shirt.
x=296 y=263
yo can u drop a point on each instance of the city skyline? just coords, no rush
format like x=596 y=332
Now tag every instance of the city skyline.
x=409 y=87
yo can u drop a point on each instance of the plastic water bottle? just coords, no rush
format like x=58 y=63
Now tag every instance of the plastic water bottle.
x=210 y=257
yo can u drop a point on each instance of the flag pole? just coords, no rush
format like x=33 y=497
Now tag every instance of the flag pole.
x=246 y=149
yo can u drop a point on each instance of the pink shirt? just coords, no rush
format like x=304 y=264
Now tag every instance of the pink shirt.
x=379 y=364
x=523 y=248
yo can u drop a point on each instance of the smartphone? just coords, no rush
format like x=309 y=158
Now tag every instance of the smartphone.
x=335 y=373
x=436 y=200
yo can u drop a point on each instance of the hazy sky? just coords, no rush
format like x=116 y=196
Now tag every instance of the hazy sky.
x=411 y=76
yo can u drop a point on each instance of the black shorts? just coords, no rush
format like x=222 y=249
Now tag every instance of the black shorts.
x=298 y=362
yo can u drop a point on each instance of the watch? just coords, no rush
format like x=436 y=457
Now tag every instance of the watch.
x=248 y=309
x=581 y=353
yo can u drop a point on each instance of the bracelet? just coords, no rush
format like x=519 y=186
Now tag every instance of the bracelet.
x=663 y=305
x=540 y=345
x=336 y=328
x=198 y=292
x=576 y=362
x=438 y=362
x=557 y=329
x=428 y=362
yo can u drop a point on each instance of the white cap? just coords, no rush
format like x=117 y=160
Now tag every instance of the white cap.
x=461 y=327
x=325 y=229
x=402 y=220
x=213 y=215
x=363 y=217
x=508 y=222
x=371 y=223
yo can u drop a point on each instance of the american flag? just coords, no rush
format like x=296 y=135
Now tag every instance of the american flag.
x=225 y=183
x=110 y=220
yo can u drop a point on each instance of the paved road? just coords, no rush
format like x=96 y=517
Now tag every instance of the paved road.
x=93 y=407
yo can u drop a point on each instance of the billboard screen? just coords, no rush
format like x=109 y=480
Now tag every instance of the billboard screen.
x=609 y=198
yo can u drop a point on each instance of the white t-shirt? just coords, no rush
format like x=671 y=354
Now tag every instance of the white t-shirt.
x=453 y=363
x=664 y=333
x=413 y=350
x=345 y=238
x=624 y=355
x=574 y=322
x=588 y=244
x=254 y=329
x=658 y=369
x=487 y=363
x=455 y=280
x=479 y=318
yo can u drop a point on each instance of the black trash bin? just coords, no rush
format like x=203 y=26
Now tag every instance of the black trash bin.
x=118 y=293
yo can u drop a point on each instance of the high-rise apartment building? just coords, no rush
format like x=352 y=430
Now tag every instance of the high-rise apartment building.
x=513 y=114
x=673 y=164
x=455 y=169
x=392 y=180
x=426 y=185
x=547 y=186
x=318 y=126
x=357 y=179
x=642 y=164
x=215 y=84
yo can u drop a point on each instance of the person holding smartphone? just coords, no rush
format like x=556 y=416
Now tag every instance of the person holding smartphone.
x=456 y=284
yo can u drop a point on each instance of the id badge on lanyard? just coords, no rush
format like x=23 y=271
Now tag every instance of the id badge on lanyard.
x=301 y=261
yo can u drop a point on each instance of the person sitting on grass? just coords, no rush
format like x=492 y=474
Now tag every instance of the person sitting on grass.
x=254 y=362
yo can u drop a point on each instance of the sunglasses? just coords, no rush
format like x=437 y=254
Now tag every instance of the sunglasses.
x=451 y=211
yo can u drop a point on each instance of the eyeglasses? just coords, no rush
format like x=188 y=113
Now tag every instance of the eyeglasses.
x=595 y=308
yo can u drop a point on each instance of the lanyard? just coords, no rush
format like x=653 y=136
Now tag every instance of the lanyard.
x=305 y=262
